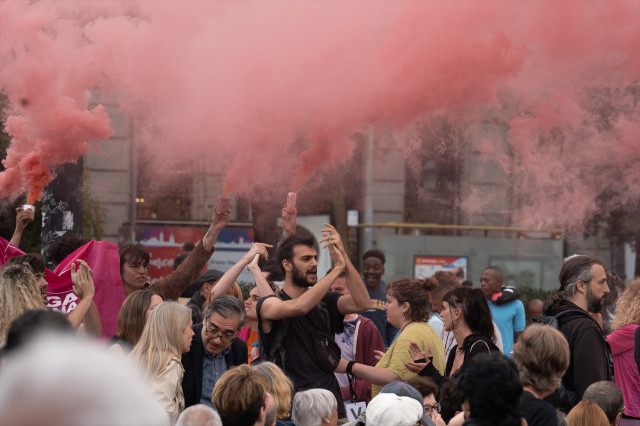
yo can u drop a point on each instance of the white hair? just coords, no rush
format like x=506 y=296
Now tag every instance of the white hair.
x=59 y=380
x=309 y=407
x=199 y=415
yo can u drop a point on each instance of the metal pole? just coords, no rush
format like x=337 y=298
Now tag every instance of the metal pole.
x=134 y=186
x=367 y=233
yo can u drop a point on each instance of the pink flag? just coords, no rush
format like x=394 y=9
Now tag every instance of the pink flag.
x=103 y=258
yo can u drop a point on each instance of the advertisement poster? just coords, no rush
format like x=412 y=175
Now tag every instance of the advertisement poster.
x=165 y=244
x=425 y=266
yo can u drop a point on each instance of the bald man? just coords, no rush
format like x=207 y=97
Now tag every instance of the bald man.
x=533 y=308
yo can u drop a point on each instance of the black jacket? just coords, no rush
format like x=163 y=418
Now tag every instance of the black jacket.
x=590 y=354
x=192 y=364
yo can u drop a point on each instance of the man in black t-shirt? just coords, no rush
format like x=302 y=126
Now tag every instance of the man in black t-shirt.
x=298 y=308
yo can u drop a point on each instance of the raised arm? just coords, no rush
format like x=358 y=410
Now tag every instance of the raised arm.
x=275 y=309
x=358 y=300
x=219 y=219
x=289 y=215
x=82 y=279
x=229 y=277
x=23 y=218
x=261 y=282
x=173 y=285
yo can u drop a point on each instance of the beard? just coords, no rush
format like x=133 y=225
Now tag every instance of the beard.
x=299 y=277
x=594 y=304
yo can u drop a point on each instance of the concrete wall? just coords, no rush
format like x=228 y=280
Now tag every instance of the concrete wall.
x=109 y=170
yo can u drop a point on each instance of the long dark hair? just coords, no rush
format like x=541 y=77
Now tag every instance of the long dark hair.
x=475 y=309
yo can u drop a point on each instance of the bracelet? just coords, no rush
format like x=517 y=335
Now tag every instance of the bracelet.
x=350 y=368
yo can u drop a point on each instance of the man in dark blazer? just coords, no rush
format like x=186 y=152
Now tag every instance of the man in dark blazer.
x=214 y=349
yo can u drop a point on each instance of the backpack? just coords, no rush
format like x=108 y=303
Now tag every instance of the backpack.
x=552 y=320
x=568 y=398
x=326 y=350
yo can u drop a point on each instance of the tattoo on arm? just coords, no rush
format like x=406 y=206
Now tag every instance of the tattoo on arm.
x=209 y=234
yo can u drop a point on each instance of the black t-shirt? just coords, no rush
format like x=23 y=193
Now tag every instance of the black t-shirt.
x=300 y=362
x=537 y=411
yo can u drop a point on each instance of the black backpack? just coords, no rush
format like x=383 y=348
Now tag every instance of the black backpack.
x=568 y=398
x=327 y=351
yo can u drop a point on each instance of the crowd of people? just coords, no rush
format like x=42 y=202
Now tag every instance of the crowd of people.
x=345 y=348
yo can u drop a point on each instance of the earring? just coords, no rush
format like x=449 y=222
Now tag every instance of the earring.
x=404 y=318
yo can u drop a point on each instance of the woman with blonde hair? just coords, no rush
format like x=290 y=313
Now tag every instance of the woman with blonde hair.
x=166 y=335
x=19 y=292
x=622 y=342
x=587 y=413
x=280 y=387
x=542 y=357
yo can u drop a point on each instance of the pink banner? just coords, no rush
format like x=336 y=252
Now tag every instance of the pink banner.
x=102 y=257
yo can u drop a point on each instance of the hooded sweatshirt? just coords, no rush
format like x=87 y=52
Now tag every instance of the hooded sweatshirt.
x=589 y=352
x=622 y=342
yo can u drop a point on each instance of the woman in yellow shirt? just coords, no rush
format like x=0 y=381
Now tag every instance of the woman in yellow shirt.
x=407 y=308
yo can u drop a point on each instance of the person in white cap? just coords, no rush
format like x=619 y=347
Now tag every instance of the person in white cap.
x=390 y=409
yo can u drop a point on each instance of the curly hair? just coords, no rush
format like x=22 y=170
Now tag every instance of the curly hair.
x=19 y=292
x=542 y=356
x=628 y=308
x=415 y=293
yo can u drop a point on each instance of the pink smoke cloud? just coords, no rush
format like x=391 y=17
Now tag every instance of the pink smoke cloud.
x=278 y=88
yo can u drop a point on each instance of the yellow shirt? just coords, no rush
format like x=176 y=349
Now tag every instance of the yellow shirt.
x=398 y=352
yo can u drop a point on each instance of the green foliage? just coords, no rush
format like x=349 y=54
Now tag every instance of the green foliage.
x=530 y=293
x=246 y=288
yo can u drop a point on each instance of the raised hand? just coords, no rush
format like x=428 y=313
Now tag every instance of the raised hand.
x=289 y=216
x=23 y=217
x=253 y=265
x=331 y=231
x=257 y=249
x=420 y=359
x=82 y=279
x=220 y=219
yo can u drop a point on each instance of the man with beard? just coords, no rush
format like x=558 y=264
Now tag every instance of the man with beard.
x=583 y=286
x=305 y=307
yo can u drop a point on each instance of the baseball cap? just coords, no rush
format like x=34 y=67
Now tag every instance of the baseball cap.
x=390 y=409
x=406 y=390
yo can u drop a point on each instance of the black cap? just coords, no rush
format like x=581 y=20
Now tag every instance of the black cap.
x=209 y=276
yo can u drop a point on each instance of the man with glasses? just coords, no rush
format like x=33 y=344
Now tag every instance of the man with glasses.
x=214 y=349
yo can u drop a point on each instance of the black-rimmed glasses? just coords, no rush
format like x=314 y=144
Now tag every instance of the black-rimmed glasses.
x=214 y=332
